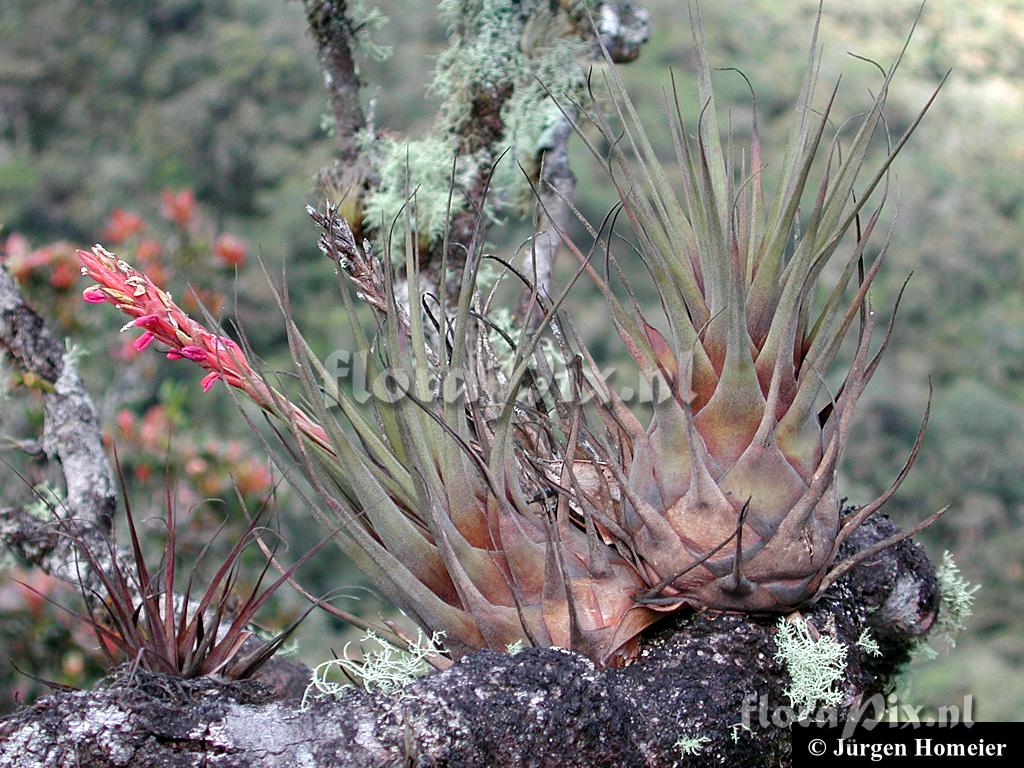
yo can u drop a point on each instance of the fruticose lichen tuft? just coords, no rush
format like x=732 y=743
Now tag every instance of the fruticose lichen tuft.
x=815 y=666
x=957 y=600
x=691 y=745
x=382 y=667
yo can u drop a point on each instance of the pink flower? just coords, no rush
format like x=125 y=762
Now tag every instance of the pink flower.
x=153 y=310
x=209 y=380
x=94 y=295
x=190 y=352
x=194 y=353
x=144 y=341
x=196 y=466
x=146 y=320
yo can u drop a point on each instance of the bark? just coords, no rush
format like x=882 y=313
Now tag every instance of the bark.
x=554 y=216
x=351 y=175
x=539 y=707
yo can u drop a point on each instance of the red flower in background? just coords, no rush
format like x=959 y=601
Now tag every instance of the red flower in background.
x=148 y=255
x=253 y=477
x=63 y=275
x=14 y=254
x=125 y=421
x=56 y=261
x=230 y=250
x=148 y=251
x=214 y=468
x=122 y=225
x=178 y=207
x=198 y=299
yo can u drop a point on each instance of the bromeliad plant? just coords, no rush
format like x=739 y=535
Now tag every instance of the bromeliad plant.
x=491 y=509
x=746 y=439
x=138 y=617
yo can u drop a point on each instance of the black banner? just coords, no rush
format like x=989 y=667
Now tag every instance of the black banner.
x=926 y=744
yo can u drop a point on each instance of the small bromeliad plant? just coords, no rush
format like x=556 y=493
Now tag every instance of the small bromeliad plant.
x=139 y=616
x=491 y=508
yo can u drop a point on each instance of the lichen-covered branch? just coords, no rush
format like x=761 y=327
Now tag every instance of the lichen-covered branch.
x=623 y=27
x=490 y=99
x=334 y=32
x=71 y=436
x=537 y=707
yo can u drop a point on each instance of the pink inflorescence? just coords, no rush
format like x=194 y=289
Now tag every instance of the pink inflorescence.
x=154 y=312
x=160 y=319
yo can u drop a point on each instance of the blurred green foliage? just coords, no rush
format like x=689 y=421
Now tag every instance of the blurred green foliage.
x=103 y=104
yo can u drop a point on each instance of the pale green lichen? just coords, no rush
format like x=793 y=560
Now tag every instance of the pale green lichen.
x=74 y=353
x=45 y=499
x=512 y=53
x=506 y=332
x=366 y=20
x=868 y=644
x=381 y=667
x=734 y=731
x=525 y=50
x=415 y=176
x=691 y=745
x=815 y=666
x=5 y=379
x=484 y=39
x=488 y=275
x=956 y=600
x=550 y=77
x=514 y=648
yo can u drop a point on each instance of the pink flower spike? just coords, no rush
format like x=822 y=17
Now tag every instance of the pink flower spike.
x=209 y=380
x=194 y=353
x=144 y=341
x=94 y=295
